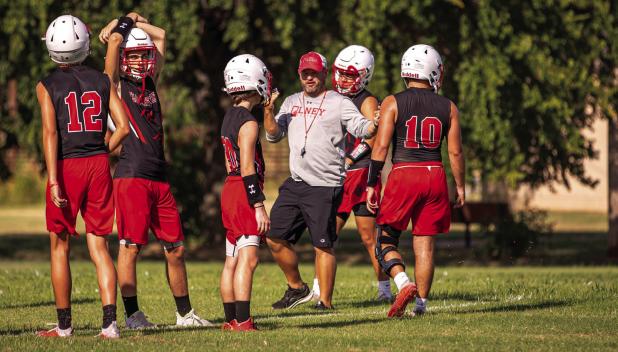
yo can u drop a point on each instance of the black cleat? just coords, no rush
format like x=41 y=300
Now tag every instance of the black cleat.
x=293 y=297
x=321 y=306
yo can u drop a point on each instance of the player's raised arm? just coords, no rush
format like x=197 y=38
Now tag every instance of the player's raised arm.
x=113 y=34
x=157 y=35
x=50 y=144
x=386 y=127
x=455 y=155
x=119 y=117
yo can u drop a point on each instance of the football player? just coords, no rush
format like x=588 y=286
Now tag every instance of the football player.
x=144 y=201
x=416 y=120
x=352 y=72
x=75 y=100
x=247 y=81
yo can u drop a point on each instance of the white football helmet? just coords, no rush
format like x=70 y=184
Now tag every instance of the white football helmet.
x=247 y=72
x=357 y=61
x=136 y=40
x=423 y=62
x=67 y=40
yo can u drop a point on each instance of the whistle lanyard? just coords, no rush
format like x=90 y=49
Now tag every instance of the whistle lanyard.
x=303 y=151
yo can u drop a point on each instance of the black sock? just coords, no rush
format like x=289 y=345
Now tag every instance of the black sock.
x=109 y=315
x=64 y=318
x=183 y=305
x=130 y=305
x=230 y=311
x=242 y=310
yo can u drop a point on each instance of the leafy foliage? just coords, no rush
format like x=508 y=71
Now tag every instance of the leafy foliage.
x=526 y=75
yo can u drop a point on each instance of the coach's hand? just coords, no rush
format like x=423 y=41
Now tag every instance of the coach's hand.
x=56 y=195
x=372 y=200
x=261 y=217
x=461 y=197
x=270 y=104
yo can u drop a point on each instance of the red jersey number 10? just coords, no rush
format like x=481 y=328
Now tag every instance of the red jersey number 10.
x=431 y=133
x=92 y=121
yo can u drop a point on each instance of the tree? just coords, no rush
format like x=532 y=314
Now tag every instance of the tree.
x=521 y=72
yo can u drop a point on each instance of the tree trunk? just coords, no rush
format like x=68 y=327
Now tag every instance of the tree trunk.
x=613 y=188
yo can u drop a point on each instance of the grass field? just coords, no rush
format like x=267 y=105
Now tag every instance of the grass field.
x=488 y=309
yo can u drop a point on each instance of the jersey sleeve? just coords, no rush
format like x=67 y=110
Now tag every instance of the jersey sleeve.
x=354 y=122
x=283 y=119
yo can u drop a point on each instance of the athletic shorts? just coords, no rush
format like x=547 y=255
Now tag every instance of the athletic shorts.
x=300 y=206
x=143 y=204
x=355 y=194
x=231 y=249
x=86 y=184
x=417 y=192
x=237 y=214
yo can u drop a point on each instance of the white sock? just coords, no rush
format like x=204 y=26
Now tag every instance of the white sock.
x=316 y=287
x=401 y=280
x=384 y=287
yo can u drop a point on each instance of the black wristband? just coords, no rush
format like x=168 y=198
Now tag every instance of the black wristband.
x=362 y=149
x=123 y=26
x=252 y=187
x=375 y=169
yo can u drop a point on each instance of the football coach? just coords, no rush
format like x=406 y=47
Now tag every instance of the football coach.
x=314 y=120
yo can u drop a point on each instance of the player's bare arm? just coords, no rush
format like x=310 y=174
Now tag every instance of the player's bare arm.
x=247 y=139
x=368 y=109
x=157 y=35
x=50 y=144
x=387 y=119
x=119 y=117
x=455 y=155
x=112 y=57
x=270 y=125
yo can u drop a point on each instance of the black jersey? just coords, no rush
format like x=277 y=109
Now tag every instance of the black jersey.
x=234 y=118
x=80 y=96
x=142 y=153
x=350 y=141
x=423 y=120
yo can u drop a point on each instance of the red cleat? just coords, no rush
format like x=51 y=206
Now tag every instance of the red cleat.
x=55 y=332
x=229 y=326
x=405 y=296
x=245 y=326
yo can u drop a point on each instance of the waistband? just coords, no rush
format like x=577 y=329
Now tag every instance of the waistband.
x=422 y=164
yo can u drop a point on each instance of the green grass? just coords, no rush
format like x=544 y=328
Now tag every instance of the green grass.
x=551 y=309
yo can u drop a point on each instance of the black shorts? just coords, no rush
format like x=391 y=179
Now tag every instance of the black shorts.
x=300 y=206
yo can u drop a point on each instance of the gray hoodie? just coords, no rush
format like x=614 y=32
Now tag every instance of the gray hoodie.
x=323 y=160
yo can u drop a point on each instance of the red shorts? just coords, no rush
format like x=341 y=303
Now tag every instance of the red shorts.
x=143 y=204
x=238 y=216
x=417 y=192
x=354 y=190
x=86 y=184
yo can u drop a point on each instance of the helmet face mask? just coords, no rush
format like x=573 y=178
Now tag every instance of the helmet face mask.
x=245 y=73
x=423 y=62
x=138 y=62
x=138 y=55
x=67 y=40
x=352 y=70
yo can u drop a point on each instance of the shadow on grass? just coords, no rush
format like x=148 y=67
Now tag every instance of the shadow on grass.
x=339 y=324
x=48 y=303
x=517 y=307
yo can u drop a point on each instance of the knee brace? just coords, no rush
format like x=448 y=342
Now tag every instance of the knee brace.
x=392 y=240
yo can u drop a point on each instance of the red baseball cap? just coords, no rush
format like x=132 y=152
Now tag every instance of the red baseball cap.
x=312 y=61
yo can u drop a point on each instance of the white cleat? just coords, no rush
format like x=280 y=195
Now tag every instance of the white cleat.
x=138 y=321
x=385 y=297
x=191 y=319
x=110 y=332
x=419 y=310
